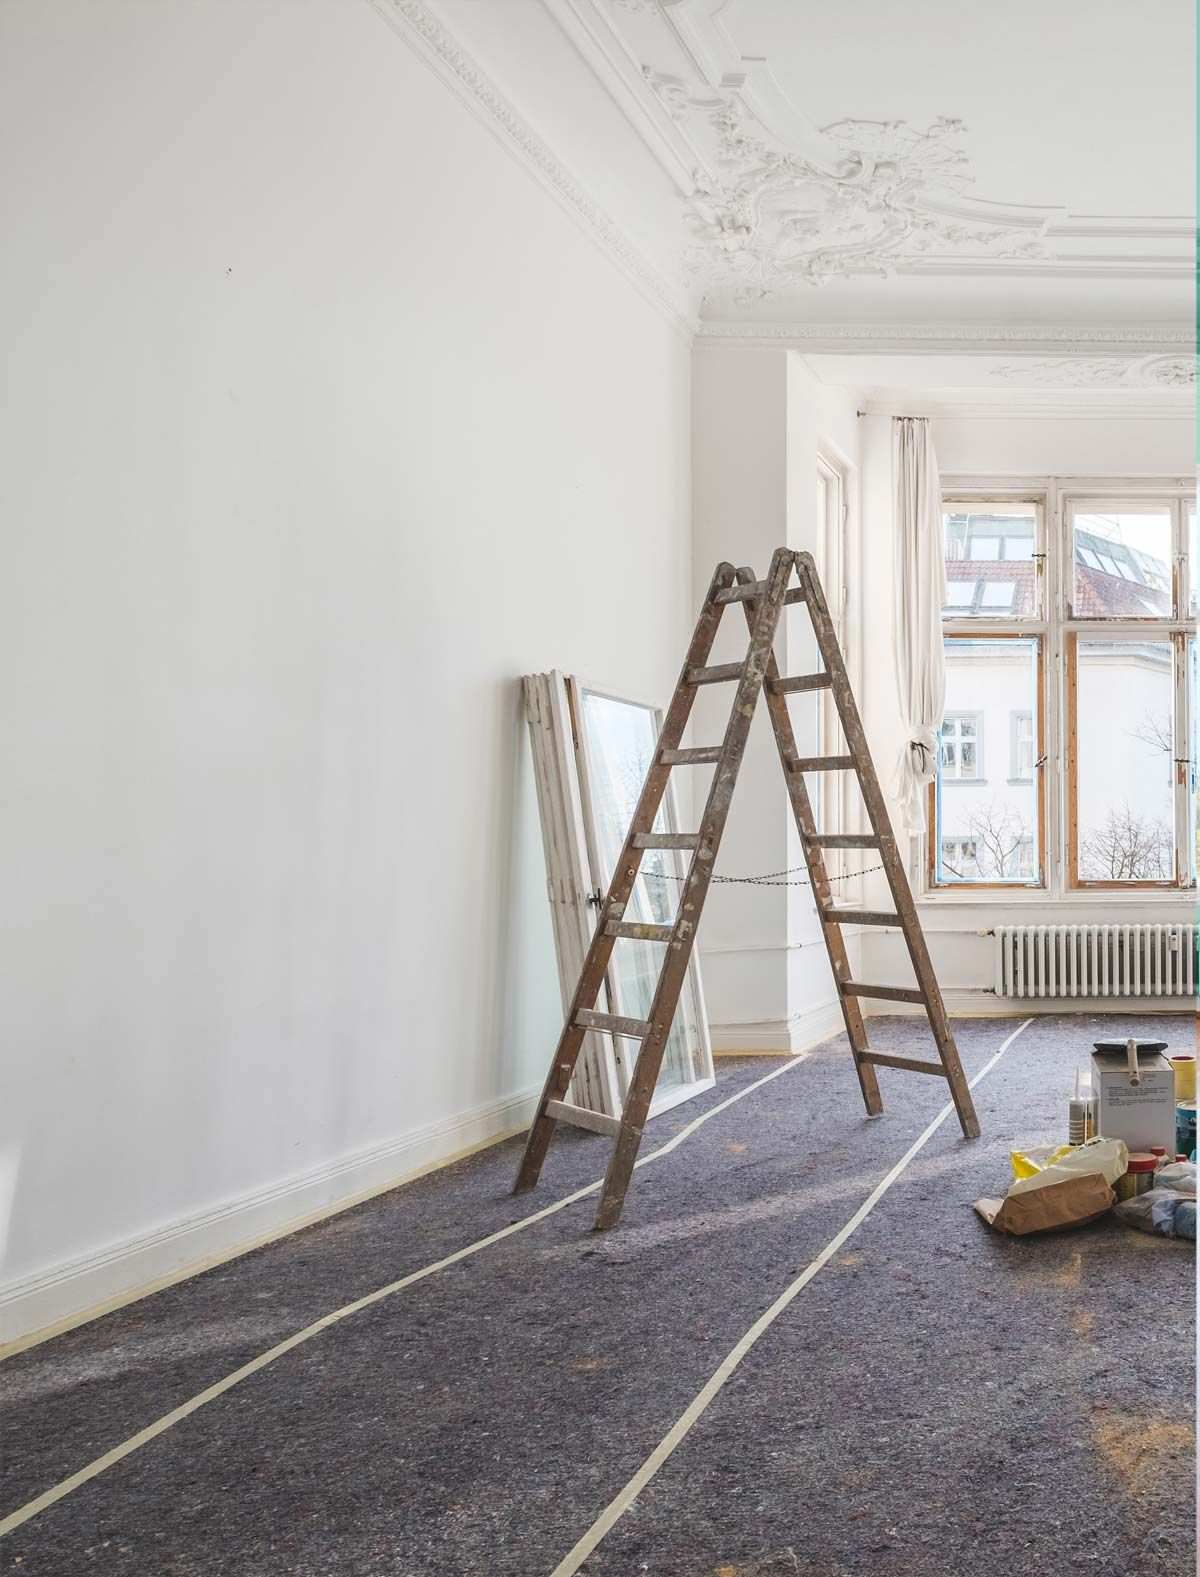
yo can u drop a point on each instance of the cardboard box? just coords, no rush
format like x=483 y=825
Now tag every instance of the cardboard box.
x=1142 y=1114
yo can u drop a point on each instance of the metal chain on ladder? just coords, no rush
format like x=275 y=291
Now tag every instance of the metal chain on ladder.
x=770 y=879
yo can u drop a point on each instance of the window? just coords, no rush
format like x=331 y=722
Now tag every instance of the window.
x=988 y=833
x=960 y=755
x=1082 y=595
x=990 y=559
x=1023 y=753
x=591 y=751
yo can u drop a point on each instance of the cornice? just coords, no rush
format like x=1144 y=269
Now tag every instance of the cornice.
x=1033 y=339
x=433 y=42
x=1035 y=405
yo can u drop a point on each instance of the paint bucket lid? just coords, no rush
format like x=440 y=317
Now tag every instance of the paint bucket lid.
x=1186 y=1106
x=1139 y=1161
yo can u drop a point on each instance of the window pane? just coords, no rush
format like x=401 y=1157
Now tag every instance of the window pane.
x=1124 y=702
x=620 y=738
x=1122 y=564
x=987 y=813
x=990 y=568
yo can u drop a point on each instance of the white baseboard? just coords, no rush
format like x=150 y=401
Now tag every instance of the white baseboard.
x=976 y=1002
x=68 y=1294
x=778 y=1037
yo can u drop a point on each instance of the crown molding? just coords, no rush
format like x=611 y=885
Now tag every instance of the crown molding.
x=1027 y=339
x=432 y=41
x=1035 y=405
x=778 y=203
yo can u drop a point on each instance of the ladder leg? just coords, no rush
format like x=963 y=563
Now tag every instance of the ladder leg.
x=785 y=739
x=624 y=875
x=893 y=864
x=712 y=824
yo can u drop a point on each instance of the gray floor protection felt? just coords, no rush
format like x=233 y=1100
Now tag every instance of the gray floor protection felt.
x=939 y=1400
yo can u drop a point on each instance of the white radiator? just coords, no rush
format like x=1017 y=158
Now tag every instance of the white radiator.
x=1096 y=961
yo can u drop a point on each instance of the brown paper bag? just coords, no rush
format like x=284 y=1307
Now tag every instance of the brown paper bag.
x=1069 y=1204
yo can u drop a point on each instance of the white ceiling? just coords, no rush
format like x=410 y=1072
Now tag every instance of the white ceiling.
x=1022 y=173
x=1084 y=103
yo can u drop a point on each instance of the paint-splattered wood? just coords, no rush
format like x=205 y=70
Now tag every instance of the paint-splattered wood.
x=763 y=623
x=625 y=873
x=802 y=813
x=893 y=864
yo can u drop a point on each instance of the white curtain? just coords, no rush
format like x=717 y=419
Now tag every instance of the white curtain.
x=920 y=596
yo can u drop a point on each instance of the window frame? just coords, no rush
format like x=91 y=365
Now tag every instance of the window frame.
x=1022 y=632
x=1056 y=499
x=960 y=713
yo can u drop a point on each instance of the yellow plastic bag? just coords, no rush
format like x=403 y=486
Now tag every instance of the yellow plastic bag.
x=1028 y=1163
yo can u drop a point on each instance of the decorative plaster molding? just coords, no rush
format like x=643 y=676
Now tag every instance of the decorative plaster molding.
x=434 y=43
x=1104 y=372
x=1066 y=340
x=773 y=217
x=778 y=203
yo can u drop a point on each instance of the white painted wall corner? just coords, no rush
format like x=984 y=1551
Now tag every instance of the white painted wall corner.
x=77 y=1290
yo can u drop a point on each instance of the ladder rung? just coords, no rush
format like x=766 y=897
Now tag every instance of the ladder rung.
x=821 y=764
x=844 y=840
x=795 y=595
x=913 y=1064
x=799 y=682
x=638 y=931
x=595 y=1122
x=856 y=988
x=717 y=675
x=756 y=588
x=666 y=840
x=634 y=1028
x=691 y=758
x=860 y=917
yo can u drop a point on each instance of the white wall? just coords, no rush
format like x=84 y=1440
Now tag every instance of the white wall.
x=1001 y=445
x=323 y=422
x=759 y=417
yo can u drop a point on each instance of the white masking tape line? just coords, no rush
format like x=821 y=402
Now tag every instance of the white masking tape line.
x=178 y=1414
x=617 y=1508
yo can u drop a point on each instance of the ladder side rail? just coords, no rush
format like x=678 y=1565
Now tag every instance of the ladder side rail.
x=624 y=875
x=890 y=857
x=712 y=825
x=802 y=812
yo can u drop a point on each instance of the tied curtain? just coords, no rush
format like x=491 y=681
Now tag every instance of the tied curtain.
x=920 y=596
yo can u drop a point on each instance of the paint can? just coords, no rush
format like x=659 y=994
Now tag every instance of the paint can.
x=1185 y=1128
x=1185 y=1076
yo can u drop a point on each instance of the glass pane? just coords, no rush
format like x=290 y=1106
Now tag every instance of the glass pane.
x=990 y=568
x=1122 y=564
x=620 y=738
x=1124 y=700
x=986 y=813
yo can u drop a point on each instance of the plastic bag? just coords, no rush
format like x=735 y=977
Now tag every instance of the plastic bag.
x=1160 y=1210
x=1109 y=1157
x=1178 y=1176
x=1028 y=1163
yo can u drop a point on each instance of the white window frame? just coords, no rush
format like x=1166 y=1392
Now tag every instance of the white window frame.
x=1056 y=497
x=960 y=715
x=575 y=877
x=1015 y=719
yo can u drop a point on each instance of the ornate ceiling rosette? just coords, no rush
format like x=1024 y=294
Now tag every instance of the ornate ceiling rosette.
x=863 y=198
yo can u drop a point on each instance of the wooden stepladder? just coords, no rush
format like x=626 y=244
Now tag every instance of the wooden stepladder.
x=763 y=602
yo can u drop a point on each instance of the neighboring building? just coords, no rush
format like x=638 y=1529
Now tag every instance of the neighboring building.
x=988 y=792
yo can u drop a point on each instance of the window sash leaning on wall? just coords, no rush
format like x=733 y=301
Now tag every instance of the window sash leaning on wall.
x=1055 y=501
